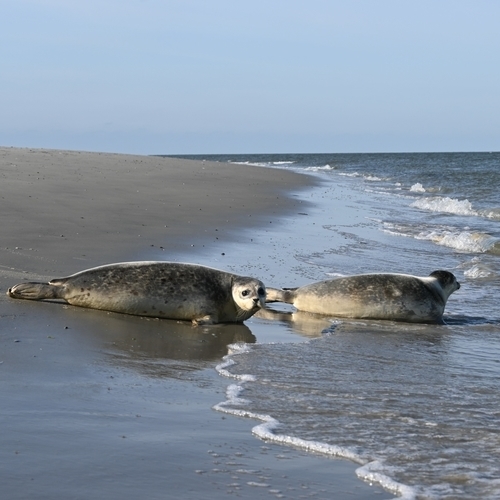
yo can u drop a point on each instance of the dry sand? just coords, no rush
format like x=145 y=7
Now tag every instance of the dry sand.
x=99 y=405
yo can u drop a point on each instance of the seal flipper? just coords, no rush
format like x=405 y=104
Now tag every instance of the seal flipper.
x=205 y=320
x=35 y=291
x=286 y=295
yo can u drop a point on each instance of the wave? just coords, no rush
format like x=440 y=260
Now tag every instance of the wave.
x=319 y=169
x=492 y=213
x=352 y=174
x=398 y=229
x=445 y=205
x=253 y=164
x=417 y=188
x=464 y=241
x=368 y=471
x=480 y=271
x=366 y=177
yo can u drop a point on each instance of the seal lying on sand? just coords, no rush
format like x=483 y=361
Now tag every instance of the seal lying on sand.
x=398 y=297
x=158 y=289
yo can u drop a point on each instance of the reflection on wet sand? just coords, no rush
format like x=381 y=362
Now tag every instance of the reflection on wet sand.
x=315 y=325
x=303 y=323
x=161 y=347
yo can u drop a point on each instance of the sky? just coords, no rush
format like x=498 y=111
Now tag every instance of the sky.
x=260 y=76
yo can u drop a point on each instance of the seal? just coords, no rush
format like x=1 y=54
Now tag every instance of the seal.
x=170 y=290
x=397 y=297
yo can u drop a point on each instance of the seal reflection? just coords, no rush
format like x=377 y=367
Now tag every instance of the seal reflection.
x=160 y=347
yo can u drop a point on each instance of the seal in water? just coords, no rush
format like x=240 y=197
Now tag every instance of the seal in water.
x=158 y=289
x=398 y=297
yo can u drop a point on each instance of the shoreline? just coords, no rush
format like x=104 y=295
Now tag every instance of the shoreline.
x=102 y=208
x=101 y=404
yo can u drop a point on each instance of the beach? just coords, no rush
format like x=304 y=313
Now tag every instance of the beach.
x=102 y=405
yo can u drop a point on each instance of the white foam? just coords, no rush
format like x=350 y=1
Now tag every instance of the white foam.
x=479 y=271
x=465 y=241
x=366 y=177
x=253 y=164
x=417 y=188
x=258 y=485
x=393 y=232
x=462 y=241
x=265 y=431
x=407 y=231
x=369 y=473
x=446 y=205
x=493 y=213
x=283 y=162
x=227 y=362
x=233 y=392
x=353 y=174
x=319 y=169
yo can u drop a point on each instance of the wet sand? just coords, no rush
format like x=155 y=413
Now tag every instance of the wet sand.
x=101 y=405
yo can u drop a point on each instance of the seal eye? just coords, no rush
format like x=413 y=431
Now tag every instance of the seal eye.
x=260 y=291
x=245 y=293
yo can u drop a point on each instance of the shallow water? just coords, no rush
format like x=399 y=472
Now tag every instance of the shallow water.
x=417 y=406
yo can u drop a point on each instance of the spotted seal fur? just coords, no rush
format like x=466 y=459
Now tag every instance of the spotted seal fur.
x=171 y=290
x=398 y=297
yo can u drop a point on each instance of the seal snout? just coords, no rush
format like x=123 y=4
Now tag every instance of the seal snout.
x=259 y=304
x=13 y=292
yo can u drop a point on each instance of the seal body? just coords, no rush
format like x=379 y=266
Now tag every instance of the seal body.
x=398 y=297
x=159 y=289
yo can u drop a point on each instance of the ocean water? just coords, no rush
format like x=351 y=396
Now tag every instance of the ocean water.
x=416 y=406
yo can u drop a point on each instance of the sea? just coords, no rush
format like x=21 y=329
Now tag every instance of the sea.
x=416 y=406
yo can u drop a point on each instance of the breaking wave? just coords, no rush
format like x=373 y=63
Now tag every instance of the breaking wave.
x=445 y=205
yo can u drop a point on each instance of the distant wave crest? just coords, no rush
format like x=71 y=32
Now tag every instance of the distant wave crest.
x=462 y=241
x=319 y=169
x=446 y=205
x=479 y=271
x=465 y=241
x=417 y=188
x=253 y=164
x=493 y=213
x=366 y=177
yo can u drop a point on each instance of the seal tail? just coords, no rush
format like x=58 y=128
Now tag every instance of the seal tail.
x=34 y=291
x=280 y=295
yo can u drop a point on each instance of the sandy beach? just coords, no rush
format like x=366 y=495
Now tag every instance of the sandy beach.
x=100 y=405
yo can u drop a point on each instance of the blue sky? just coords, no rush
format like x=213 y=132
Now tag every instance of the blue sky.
x=266 y=76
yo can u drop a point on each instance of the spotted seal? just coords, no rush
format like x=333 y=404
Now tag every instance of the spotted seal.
x=398 y=297
x=171 y=290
